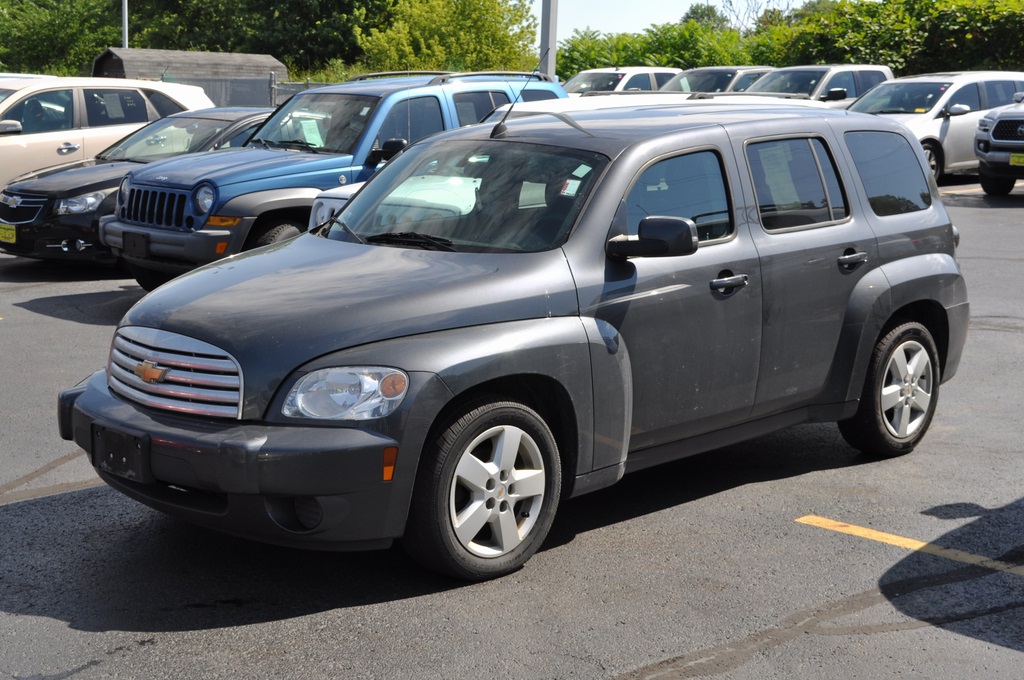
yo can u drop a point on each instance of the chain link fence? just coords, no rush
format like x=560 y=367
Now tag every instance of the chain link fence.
x=241 y=91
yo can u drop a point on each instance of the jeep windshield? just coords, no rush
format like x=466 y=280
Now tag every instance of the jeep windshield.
x=482 y=196
x=319 y=122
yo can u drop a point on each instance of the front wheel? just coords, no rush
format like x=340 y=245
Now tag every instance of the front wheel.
x=486 y=493
x=933 y=154
x=996 y=186
x=900 y=393
x=274 y=232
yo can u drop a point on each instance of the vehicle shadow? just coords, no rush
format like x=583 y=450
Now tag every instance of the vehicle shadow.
x=95 y=309
x=980 y=602
x=121 y=566
x=28 y=270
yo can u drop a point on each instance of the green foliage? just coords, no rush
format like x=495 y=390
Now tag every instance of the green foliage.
x=706 y=14
x=59 y=37
x=460 y=35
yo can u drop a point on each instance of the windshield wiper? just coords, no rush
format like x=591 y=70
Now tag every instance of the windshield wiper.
x=412 y=238
x=266 y=144
x=323 y=228
x=298 y=143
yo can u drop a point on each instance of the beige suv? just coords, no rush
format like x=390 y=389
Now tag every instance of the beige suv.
x=49 y=121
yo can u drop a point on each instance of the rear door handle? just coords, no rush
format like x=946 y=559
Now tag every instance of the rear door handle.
x=68 y=147
x=727 y=283
x=851 y=260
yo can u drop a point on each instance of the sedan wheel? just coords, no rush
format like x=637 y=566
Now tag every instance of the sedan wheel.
x=900 y=394
x=486 y=494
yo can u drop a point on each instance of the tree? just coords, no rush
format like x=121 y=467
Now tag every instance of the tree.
x=706 y=14
x=38 y=36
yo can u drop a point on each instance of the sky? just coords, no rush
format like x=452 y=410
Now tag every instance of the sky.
x=612 y=16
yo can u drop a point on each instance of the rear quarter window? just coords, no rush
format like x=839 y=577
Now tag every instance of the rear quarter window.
x=890 y=172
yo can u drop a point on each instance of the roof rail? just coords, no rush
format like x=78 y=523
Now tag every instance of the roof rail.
x=394 y=74
x=543 y=77
x=742 y=93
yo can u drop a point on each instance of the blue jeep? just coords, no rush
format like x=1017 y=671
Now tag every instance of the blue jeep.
x=175 y=215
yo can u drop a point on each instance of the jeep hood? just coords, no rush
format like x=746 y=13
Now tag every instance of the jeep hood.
x=276 y=308
x=247 y=164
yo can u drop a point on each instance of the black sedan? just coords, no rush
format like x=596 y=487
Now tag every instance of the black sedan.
x=54 y=213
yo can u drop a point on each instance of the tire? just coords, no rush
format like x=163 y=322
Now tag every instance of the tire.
x=900 y=394
x=486 y=492
x=996 y=186
x=274 y=232
x=933 y=153
x=149 y=279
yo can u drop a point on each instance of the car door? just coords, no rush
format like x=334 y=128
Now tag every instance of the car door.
x=693 y=340
x=110 y=114
x=813 y=250
x=48 y=136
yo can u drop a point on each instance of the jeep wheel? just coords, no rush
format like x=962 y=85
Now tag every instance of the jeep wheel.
x=486 y=493
x=933 y=154
x=274 y=232
x=900 y=394
x=996 y=186
x=149 y=279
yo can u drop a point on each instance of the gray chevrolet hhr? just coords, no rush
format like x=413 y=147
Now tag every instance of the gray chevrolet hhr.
x=509 y=315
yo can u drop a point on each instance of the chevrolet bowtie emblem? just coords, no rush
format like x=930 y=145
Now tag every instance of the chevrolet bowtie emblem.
x=150 y=372
x=12 y=201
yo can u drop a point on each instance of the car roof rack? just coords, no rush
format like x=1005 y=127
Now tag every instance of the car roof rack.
x=444 y=78
x=394 y=74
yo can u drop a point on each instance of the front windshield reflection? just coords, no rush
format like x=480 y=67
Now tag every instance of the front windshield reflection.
x=165 y=138
x=472 y=197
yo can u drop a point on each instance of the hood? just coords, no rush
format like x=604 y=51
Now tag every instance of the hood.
x=73 y=179
x=247 y=164
x=277 y=308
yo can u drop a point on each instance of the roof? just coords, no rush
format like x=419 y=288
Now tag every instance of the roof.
x=373 y=85
x=631 y=69
x=120 y=62
x=961 y=76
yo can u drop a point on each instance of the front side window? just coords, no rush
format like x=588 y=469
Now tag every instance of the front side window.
x=691 y=186
x=640 y=81
x=412 y=119
x=114 y=107
x=48 y=111
x=890 y=172
x=969 y=95
x=472 y=197
x=796 y=183
x=842 y=80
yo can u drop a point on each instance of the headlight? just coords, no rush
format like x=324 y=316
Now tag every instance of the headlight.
x=79 y=204
x=347 y=393
x=985 y=124
x=122 y=191
x=202 y=198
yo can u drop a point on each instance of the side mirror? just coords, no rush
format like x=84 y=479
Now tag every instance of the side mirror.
x=388 y=150
x=835 y=94
x=1018 y=97
x=10 y=127
x=657 y=237
x=958 y=110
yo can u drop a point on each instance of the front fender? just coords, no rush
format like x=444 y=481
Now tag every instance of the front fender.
x=258 y=202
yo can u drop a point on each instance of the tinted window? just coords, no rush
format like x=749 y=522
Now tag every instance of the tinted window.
x=691 y=186
x=537 y=95
x=745 y=81
x=44 y=112
x=640 y=81
x=472 y=107
x=999 y=92
x=164 y=105
x=868 y=79
x=114 y=107
x=796 y=183
x=844 y=80
x=662 y=77
x=412 y=119
x=968 y=94
x=890 y=172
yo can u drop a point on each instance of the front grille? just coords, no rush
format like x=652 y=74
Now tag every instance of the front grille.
x=160 y=208
x=19 y=208
x=172 y=372
x=1009 y=130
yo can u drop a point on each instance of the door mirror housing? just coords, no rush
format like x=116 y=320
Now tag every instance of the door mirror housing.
x=657 y=236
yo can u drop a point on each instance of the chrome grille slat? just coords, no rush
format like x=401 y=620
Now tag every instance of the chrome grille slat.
x=185 y=375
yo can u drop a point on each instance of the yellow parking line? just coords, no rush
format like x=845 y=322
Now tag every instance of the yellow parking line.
x=912 y=544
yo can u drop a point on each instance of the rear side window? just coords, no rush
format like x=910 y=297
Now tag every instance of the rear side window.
x=472 y=107
x=691 y=186
x=662 y=77
x=114 y=107
x=412 y=119
x=537 y=95
x=796 y=183
x=890 y=172
x=163 y=104
x=999 y=92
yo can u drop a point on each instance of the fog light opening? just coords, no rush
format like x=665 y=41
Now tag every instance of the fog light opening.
x=73 y=246
x=296 y=514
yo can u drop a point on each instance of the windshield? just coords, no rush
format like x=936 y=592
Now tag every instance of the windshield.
x=479 y=196
x=321 y=122
x=708 y=81
x=901 y=98
x=165 y=138
x=593 y=82
x=789 y=82
x=4 y=94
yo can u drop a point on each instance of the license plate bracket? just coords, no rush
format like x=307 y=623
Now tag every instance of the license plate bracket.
x=135 y=244
x=121 y=454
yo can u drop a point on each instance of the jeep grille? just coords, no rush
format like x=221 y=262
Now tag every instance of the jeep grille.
x=172 y=372
x=1009 y=130
x=158 y=208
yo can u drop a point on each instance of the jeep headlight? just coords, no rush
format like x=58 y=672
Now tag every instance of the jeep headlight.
x=123 y=190
x=202 y=198
x=347 y=393
x=77 y=205
x=985 y=124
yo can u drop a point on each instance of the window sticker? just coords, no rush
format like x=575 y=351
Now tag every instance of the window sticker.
x=570 y=188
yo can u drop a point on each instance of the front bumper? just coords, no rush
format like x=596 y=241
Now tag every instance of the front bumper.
x=996 y=163
x=310 y=487
x=69 y=238
x=169 y=249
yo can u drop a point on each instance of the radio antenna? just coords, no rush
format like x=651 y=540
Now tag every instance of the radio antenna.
x=500 y=130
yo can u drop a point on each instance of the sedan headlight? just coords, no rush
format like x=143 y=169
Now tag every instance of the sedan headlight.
x=347 y=393
x=79 y=204
x=202 y=198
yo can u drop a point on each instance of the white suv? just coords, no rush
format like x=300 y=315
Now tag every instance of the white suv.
x=837 y=84
x=49 y=121
x=619 y=79
x=999 y=146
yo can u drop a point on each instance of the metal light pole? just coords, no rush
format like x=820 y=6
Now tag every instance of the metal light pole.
x=124 y=24
x=548 y=36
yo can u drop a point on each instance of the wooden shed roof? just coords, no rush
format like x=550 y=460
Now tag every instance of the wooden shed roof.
x=120 y=62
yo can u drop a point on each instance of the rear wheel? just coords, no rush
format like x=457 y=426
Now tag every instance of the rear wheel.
x=900 y=393
x=933 y=153
x=486 y=493
x=996 y=186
